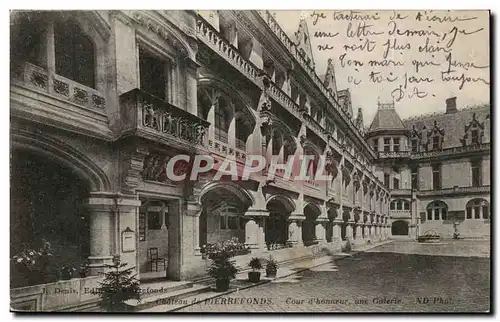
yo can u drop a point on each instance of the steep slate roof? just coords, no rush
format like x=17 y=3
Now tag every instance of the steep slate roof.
x=386 y=118
x=453 y=124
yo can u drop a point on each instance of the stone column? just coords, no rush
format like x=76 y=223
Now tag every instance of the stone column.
x=320 y=230
x=336 y=230
x=349 y=230
x=295 y=230
x=109 y=215
x=192 y=220
x=251 y=233
x=359 y=231
x=255 y=229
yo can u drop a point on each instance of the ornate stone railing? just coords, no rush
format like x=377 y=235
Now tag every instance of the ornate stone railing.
x=451 y=151
x=225 y=149
x=394 y=154
x=436 y=153
x=211 y=37
x=214 y=40
x=294 y=51
x=284 y=99
x=454 y=190
x=36 y=77
x=142 y=111
x=400 y=192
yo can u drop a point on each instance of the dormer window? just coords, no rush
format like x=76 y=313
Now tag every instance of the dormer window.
x=435 y=142
x=474 y=131
x=474 y=136
x=414 y=145
x=396 y=145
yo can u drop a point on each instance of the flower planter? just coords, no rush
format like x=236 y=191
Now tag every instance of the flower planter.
x=221 y=285
x=429 y=237
x=254 y=277
x=271 y=273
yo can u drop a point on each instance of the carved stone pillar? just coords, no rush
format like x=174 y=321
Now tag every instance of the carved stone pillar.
x=295 y=230
x=336 y=229
x=193 y=213
x=359 y=231
x=255 y=229
x=105 y=225
x=251 y=233
x=320 y=230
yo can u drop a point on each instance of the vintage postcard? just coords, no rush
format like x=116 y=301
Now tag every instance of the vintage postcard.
x=250 y=161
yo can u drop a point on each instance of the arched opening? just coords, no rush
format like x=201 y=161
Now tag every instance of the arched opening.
x=277 y=142
x=243 y=131
x=289 y=148
x=477 y=209
x=311 y=212
x=222 y=119
x=343 y=227
x=276 y=227
x=228 y=112
x=399 y=228
x=437 y=210
x=46 y=201
x=222 y=217
x=332 y=215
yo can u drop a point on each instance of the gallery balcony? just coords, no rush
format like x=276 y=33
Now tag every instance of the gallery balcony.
x=394 y=155
x=46 y=97
x=454 y=191
x=150 y=117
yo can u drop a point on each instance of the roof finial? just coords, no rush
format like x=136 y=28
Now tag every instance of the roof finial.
x=302 y=16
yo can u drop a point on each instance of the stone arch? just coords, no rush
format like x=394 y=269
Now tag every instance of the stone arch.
x=223 y=207
x=400 y=228
x=165 y=31
x=436 y=210
x=477 y=208
x=224 y=87
x=313 y=207
x=239 y=192
x=287 y=203
x=63 y=153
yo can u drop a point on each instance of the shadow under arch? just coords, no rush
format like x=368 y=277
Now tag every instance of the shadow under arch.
x=63 y=153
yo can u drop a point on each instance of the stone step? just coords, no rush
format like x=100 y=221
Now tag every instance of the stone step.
x=170 y=298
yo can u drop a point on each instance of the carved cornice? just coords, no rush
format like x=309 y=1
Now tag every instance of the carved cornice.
x=159 y=29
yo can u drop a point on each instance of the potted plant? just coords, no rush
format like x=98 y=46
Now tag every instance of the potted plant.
x=223 y=270
x=67 y=272
x=348 y=246
x=271 y=267
x=256 y=265
x=118 y=286
x=84 y=270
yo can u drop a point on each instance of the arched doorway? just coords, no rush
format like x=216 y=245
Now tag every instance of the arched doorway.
x=276 y=227
x=399 y=228
x=223 y=209
x=311 y=212
x=46 y=200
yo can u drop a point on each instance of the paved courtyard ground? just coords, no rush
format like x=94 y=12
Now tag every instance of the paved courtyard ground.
x=388 y=278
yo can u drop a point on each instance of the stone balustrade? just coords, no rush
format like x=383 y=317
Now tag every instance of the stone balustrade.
x=39 y=78
x=142 y=111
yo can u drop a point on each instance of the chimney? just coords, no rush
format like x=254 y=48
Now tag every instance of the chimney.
x=451 y=105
